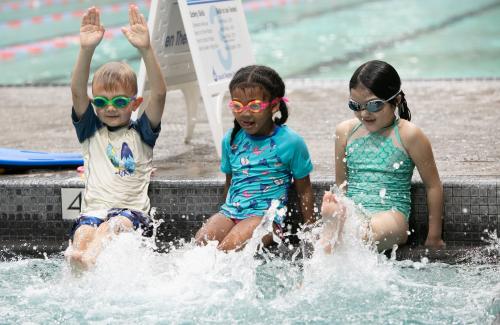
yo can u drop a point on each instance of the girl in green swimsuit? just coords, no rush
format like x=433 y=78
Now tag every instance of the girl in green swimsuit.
x=375 y=154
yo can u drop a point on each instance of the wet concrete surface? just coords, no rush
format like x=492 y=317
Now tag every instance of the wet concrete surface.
x=460 y=117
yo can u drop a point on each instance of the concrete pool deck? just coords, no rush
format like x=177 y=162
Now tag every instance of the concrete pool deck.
x=460 y=117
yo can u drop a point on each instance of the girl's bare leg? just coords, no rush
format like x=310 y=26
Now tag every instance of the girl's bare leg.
x=241 y=233
x=216 y=228
x=388 y=228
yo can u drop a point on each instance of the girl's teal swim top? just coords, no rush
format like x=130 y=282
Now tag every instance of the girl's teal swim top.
x=379 y=170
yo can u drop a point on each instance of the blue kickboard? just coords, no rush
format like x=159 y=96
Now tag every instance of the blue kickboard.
x=26 y=158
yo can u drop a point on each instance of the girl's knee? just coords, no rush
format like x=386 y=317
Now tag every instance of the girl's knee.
x=202 y=237
x=388 y=228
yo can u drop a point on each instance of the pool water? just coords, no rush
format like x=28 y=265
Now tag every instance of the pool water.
x=320 y=39
x=133 y=283
x=200 y=285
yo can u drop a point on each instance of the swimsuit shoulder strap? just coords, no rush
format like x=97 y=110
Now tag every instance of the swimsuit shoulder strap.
x=354 y=129
x=396 y=131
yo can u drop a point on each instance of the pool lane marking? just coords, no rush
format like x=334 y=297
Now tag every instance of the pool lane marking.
x=63 y=16
x=391 y=42
x=38 y=48
x=32 y=4
x=314 y=14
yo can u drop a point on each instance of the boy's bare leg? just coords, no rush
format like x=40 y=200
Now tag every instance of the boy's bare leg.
x=216 y=228
x=83 y=236
x=89 y=245
x=104 y=232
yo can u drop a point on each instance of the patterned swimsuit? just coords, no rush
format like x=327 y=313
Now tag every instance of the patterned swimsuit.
x=379 y=172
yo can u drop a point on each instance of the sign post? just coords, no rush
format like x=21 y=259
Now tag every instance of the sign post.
x=200 y=45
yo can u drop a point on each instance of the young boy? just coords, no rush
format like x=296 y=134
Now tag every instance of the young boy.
x=118 y=152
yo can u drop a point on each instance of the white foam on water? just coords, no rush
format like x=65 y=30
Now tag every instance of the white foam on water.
x=191 y=284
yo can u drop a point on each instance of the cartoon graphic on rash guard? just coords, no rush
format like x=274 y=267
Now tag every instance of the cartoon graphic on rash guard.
x=263 y=162
x=245 y=148
x=278 y=162
x=125 y=165
x=257 y=151
x=253 y=204
x=264 y=187
x=244 y=161
x=252 y=180
x=272 y=144
x=278 y=181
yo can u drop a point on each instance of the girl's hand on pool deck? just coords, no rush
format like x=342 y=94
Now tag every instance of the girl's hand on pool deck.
x=137 y=33
x=435 y=243
x=91 y=30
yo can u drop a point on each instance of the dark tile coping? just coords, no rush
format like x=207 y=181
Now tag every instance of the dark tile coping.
x=31 y=219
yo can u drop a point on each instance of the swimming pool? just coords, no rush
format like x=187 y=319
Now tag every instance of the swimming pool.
x=136 y=281
x=321 y=39
x=193 y=285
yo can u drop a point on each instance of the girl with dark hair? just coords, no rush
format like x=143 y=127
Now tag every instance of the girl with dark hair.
x=375 y=154
x=260 y=157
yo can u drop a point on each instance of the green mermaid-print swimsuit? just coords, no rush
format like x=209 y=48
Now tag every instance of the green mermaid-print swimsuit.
x=379 y=172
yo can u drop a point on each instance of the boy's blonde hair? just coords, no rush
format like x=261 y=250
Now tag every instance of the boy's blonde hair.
x=113 y=75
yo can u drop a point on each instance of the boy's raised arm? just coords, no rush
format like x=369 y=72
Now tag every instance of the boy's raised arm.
x=91 y=33
x=138 y=35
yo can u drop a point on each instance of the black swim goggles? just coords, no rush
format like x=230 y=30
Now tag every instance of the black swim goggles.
x=372 y=106
x=118 y=102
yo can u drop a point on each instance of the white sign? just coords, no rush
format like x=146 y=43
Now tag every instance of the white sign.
x=170 y=43
x=218 y=45
x=71 y=202
x=218 y=39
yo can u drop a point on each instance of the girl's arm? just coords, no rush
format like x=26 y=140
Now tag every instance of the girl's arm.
x=341 y=133
x=227 y=184
x=420 y=151
x=306 y=199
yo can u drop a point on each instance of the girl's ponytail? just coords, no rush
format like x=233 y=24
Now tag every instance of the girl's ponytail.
x=284 y=113
x=403 y=110
x=236 y=128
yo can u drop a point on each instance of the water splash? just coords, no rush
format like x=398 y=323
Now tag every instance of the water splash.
x=132 y=282
x=265 y=227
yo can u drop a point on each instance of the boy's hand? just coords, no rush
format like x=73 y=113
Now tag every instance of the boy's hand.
x=91 y=30
x=137 y=33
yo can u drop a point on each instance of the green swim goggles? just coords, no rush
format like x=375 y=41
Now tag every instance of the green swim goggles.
x=118 y=102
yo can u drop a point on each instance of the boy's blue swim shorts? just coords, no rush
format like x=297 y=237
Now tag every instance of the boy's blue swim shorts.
x=138 y=219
